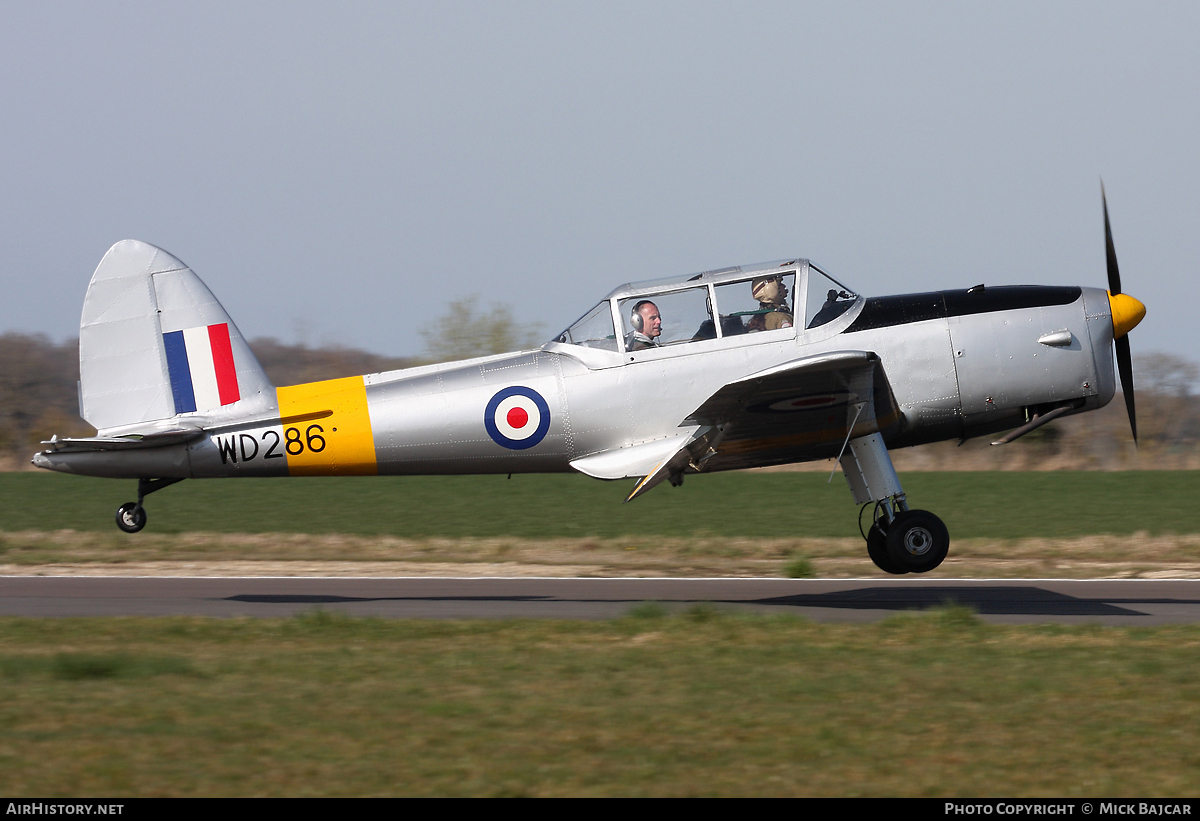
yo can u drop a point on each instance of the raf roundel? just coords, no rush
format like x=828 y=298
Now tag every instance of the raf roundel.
x=517 y=418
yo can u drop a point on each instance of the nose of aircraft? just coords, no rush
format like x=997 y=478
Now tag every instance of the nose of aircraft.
x=1127 y=312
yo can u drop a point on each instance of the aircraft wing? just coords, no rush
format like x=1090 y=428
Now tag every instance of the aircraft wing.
x=799 y=411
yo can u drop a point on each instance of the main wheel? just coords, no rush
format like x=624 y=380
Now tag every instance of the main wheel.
x=917 y=541
x=131 y=517
x=877 y=550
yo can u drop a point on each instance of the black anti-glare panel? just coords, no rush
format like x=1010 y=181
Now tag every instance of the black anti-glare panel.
x=885 y=311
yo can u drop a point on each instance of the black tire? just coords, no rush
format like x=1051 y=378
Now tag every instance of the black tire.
x=131 y=517
x=917 y=541
x=877 y=550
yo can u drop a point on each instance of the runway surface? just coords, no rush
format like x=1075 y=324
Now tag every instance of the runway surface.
x=1116 y=602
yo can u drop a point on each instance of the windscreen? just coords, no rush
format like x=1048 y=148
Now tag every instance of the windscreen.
x=594 y=330
x=827 y=298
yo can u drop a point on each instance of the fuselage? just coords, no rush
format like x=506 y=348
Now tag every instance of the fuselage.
x=958 y=363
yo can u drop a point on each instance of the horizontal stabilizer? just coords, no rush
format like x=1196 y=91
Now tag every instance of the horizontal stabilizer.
x=132 y=441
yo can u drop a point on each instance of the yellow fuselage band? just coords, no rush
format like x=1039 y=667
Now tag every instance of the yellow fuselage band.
x=326 y=428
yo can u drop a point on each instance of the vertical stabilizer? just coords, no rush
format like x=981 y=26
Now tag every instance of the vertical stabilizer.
x=154 y=343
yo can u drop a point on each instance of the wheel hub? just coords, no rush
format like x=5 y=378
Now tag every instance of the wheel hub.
x=918 y=541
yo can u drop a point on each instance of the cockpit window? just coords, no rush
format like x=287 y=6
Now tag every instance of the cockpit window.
x=762 y=303
x=827 y=298
x=666 y=319
x=594 y=330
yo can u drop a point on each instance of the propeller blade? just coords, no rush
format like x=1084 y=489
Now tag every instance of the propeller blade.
x=1110 y=253
x=1125 y=368
x=1121 y=343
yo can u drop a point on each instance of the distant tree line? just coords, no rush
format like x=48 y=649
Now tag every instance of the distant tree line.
x=38 y=394
x=39 y=398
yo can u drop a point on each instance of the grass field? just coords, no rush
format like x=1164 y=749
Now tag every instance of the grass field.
x=1014 y=525
x=757 y=505
x=701 y=703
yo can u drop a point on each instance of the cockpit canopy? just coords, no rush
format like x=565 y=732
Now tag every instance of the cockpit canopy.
x=728 y=302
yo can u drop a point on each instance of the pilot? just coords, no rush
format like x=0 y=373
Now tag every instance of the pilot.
x=647 y=326
x=773 y=312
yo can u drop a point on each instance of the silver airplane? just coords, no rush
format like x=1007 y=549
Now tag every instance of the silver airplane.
x=740 y=367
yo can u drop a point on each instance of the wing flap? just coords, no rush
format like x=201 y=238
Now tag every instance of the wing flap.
x=797 y=411
x=634 y=460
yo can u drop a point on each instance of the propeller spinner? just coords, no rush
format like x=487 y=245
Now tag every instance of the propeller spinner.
x=1127 y=312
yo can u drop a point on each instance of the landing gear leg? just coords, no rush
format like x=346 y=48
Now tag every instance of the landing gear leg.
x=900 y=540
x=131 y=516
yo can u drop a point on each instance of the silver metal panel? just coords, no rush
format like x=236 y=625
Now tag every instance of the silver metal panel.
x=919 y=364
x=159 y=463
x=248 y=450
x=435 y=423
x=1098 y=311
x=869 y=471
x=598 y=408
x=661 y=388
x=1002 y=366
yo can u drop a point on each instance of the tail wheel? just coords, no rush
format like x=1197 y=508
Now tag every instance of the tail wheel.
x=917 y=541
x=877 y=550
x=131 y=517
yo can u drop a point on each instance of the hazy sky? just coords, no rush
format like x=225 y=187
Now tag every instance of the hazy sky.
x=337 y=173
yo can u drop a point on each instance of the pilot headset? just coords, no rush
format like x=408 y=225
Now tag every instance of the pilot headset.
x=635 y=316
